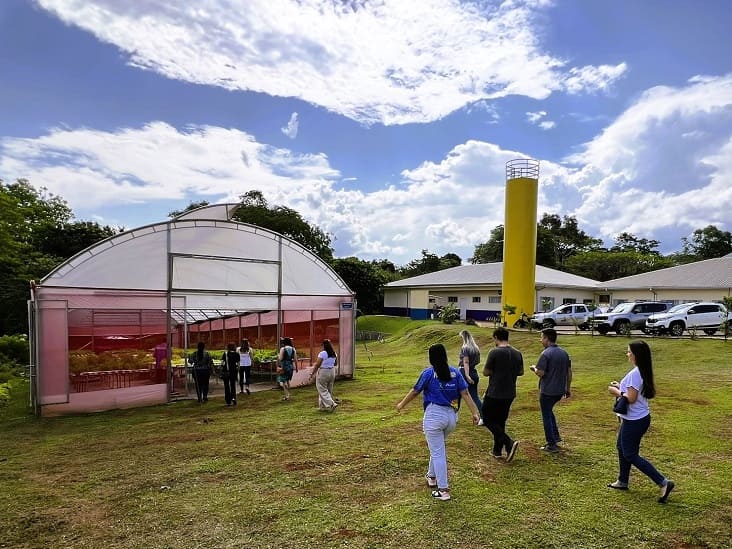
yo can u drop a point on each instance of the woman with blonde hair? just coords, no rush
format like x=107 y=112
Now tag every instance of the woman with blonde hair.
x=469 y=360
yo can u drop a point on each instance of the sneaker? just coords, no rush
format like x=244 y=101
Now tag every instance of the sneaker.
x=480 y=421
x=248 y=392
x=333 y=407
x=552 y=449
x=442 y=495
x=431 y=481
x=512 y=451
x=496 y=456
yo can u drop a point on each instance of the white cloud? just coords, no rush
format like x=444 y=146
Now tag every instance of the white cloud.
x=292 y=126
x=660 y=170
x=538 y=118
x=389 y=62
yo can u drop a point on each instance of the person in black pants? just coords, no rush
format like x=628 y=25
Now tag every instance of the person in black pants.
x=202 y=366
x=229 y=371
x=503 y=366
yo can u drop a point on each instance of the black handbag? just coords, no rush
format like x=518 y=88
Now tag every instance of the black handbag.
x=621 y=405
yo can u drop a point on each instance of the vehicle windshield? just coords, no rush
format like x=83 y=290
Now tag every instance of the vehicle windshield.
x=623 y=308
x=679 y=307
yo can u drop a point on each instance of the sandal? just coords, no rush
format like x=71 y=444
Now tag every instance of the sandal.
x=431 y=481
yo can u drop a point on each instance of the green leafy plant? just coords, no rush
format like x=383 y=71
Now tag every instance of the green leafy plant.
x=508 y=310
x=449 y=314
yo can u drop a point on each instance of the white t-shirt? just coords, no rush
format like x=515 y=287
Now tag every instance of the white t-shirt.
x=638 y=409
x=328 y=361
x=245 y=357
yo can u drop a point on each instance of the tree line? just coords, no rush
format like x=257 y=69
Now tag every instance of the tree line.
x=38 y=232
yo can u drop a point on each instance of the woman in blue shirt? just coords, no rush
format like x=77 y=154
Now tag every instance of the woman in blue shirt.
x=637 y=386
x=442 y=387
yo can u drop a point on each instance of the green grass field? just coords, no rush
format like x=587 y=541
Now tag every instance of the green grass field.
x=281 y=474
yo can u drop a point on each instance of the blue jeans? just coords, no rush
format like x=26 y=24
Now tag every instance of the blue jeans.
x=551 y=431
x=629 y=438
x=438 y=422
x=473 y=388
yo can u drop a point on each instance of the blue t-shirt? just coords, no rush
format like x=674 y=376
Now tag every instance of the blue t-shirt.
x=556 y=365
x=442 y=393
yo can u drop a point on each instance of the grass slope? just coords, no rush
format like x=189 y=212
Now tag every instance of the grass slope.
x=281 y=474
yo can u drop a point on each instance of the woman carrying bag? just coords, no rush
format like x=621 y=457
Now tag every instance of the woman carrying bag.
x=637 y=388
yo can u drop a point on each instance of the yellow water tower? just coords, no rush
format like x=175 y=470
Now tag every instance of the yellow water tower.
x=519 y=238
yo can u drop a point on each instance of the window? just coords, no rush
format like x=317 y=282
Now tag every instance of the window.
x=476 y=299
x=494 y=299
x=452 y=299
x=568 y=300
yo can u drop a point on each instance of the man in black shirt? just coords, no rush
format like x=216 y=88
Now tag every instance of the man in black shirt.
x=503 y=366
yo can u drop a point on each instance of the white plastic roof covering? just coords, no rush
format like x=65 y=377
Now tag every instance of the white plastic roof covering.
x=216 y=264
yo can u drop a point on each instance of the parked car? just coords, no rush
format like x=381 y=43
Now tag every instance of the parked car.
x=570 y=314
x=627 y=316
x=706 y=316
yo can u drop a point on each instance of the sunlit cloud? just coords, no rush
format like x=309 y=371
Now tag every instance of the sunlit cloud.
x=389 y=62
x=292 y=126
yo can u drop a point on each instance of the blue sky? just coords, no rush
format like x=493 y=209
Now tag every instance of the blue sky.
x=386 y=123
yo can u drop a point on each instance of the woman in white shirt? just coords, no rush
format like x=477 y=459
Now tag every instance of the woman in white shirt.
x=245 y=365
x=324 y=374
x=637 y=386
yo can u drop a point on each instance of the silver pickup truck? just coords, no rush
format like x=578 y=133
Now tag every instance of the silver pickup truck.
x=570 y=314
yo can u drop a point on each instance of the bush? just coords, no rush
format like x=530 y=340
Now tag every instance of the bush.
x=449 y=313
x=15 y=349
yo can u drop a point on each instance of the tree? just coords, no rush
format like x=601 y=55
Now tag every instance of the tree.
x=450 y=260
x=491 y=251
x=429 y=263
x=255 y=210
x=708 y=243
x=567 y=237
x=607 y=265
x=627 y=242
x=366 y=279
x=37 y=233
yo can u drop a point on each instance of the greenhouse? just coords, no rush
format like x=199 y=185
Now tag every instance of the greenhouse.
x=112 y=326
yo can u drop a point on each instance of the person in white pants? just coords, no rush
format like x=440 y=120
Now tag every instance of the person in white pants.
x=324 y=374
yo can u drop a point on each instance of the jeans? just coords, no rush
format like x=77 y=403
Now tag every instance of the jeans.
x=438 y=422
x=551 y=431
x=495 y=415
x=324 y=381
x=244 y=373
x=473 y=388
x=629 y=438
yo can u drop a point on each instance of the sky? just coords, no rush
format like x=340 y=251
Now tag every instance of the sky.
x=386 y=123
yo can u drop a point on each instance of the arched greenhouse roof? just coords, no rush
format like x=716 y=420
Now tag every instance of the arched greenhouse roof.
x=207 y=261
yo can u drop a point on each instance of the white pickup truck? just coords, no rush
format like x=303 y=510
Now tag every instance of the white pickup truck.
x=570 y=314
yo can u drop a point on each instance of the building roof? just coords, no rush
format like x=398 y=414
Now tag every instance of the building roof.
x=484 y=274
x=709 y=273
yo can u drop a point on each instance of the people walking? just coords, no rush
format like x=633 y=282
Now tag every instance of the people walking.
x=202 y=366
x=638 y=388
x=246 y=354
x=287 y=364
x=442 y=387
x=229 y=369
x=469 y=360
x=503 y=365
x=324 y=374
x=554 y=369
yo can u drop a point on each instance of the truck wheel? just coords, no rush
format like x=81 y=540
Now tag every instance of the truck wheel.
x=676 y=328
x=603 y=330
x=622 y=327
x=549 y=323
x=584 y=326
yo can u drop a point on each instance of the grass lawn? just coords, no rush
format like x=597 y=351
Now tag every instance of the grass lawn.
x=281 y=474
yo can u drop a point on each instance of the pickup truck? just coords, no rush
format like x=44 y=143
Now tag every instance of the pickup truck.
x=627 y=316
x=570 y=314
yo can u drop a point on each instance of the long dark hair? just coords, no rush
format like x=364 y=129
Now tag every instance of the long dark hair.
x=328 y=348
x=199 y=352
x=438 y=360
x=642 y=353
x=244 y=347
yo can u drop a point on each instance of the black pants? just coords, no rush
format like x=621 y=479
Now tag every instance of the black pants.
x=244 y=373
x=229 y=388
x=201 y=378
x=495 y=415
